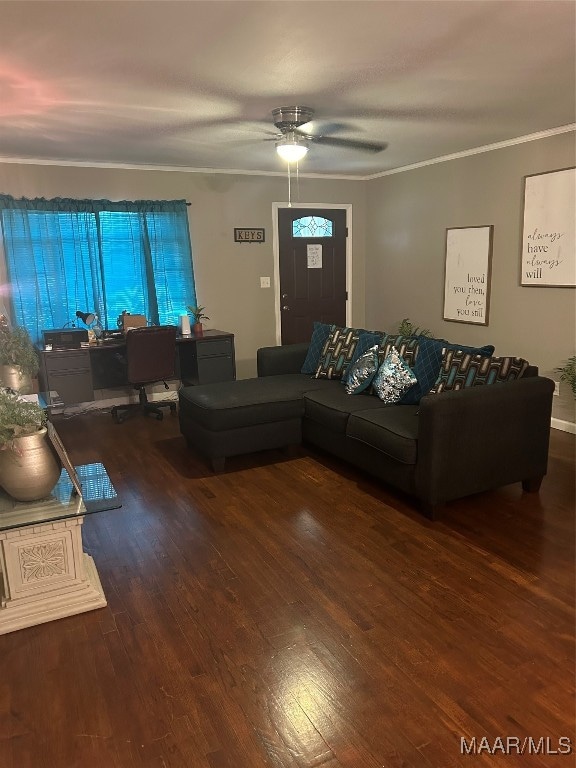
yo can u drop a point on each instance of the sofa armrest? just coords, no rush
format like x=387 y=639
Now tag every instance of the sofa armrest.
x=289 y=358
x=483 y=437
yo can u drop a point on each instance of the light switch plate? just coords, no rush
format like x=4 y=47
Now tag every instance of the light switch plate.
x=264 y=282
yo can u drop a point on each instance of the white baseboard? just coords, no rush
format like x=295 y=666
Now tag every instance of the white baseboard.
x=564 y=426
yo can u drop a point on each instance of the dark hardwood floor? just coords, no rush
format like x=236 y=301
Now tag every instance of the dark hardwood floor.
x=293 y=613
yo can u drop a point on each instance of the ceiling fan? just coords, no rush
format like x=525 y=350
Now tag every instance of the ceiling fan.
x=296 y=132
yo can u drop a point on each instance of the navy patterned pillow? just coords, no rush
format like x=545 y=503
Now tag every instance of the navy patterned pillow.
x=461 y=369
x=337 y=353
x=320 y=333
x=428 y=362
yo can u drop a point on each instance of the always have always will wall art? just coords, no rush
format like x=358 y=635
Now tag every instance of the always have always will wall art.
x=548 y=235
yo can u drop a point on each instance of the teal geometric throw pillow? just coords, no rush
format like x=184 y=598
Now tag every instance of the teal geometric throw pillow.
x=337 y=353
x=428 y=363
x=460 y=370
x=406 y=346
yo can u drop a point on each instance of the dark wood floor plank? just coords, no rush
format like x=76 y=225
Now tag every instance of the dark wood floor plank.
x=294 y=613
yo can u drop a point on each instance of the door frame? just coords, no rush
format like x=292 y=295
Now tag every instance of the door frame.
x=276 y=250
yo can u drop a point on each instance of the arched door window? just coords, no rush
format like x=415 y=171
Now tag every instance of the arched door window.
x=312 y=226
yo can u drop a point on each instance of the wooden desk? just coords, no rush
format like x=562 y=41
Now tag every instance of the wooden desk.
x=74 y=374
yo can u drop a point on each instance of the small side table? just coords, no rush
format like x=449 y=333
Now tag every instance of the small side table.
x=206 y=359
x=44 y=573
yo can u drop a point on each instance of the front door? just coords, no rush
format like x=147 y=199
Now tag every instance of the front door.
x=312 y=268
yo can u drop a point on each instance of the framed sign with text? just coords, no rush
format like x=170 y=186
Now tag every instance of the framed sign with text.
x=249 y=235
x=548 y=233
x=467 y=274
x=314 y=256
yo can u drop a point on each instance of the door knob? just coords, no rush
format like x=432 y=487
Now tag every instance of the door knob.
x=285 y=308
x=284 y=295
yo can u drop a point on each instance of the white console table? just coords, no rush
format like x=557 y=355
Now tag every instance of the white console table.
x=44 y=573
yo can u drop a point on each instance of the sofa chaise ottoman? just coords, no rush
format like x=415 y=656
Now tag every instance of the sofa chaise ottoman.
x=235 y=417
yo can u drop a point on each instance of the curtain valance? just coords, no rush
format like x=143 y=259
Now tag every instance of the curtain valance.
x=70 y=205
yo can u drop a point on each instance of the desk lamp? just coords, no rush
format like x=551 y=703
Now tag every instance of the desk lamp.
x=86 y=317
x=90 y=318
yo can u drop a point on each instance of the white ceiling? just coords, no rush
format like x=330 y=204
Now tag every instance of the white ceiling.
x=192 y=84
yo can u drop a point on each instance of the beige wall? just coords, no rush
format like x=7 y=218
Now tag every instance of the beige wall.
x=227 y=273
x=408 y=214
x=398 y=236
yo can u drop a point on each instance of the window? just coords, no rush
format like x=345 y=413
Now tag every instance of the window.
x=96 y=256
x=312 y=226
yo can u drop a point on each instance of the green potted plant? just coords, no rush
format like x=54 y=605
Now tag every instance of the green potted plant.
x=18 y=359
x=197 y=317
x=567 y=373
x=407 y=328
x=18 y=418
x=29 y=468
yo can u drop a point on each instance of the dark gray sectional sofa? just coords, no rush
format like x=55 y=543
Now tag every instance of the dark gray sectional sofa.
x=447 y=446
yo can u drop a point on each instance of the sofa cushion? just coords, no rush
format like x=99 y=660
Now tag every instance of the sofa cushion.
x=245 y=402
x=428 y=362
x=461 y=369
x=331 y=406
x=390 y=429
x=394 y=377
x=320 y=333
x=362 y=371
x=337 y=353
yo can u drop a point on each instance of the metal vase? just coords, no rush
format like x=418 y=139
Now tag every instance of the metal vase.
x=11 y=376
x=29 y=469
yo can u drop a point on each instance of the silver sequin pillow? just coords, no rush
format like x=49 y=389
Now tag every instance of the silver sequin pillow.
x=394 y=377
x=362 y=371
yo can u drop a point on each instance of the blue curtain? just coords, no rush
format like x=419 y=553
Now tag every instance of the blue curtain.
x=99 y=256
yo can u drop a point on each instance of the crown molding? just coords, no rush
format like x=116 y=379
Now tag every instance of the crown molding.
x=169 y=168
x=477 y=150
x=330 y=176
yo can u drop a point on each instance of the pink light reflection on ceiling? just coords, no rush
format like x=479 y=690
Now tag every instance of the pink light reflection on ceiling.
x=24 y=94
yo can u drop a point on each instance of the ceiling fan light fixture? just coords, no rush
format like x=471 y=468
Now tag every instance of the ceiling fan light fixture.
x=291 y=147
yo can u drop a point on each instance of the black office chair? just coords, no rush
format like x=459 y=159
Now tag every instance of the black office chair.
x=150 y=357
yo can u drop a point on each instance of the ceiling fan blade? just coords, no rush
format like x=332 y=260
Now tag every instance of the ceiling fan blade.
x=364 y=146
x=322 y=128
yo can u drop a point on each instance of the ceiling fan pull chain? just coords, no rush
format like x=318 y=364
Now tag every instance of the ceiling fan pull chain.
x=297 y=182
x=289 y=189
